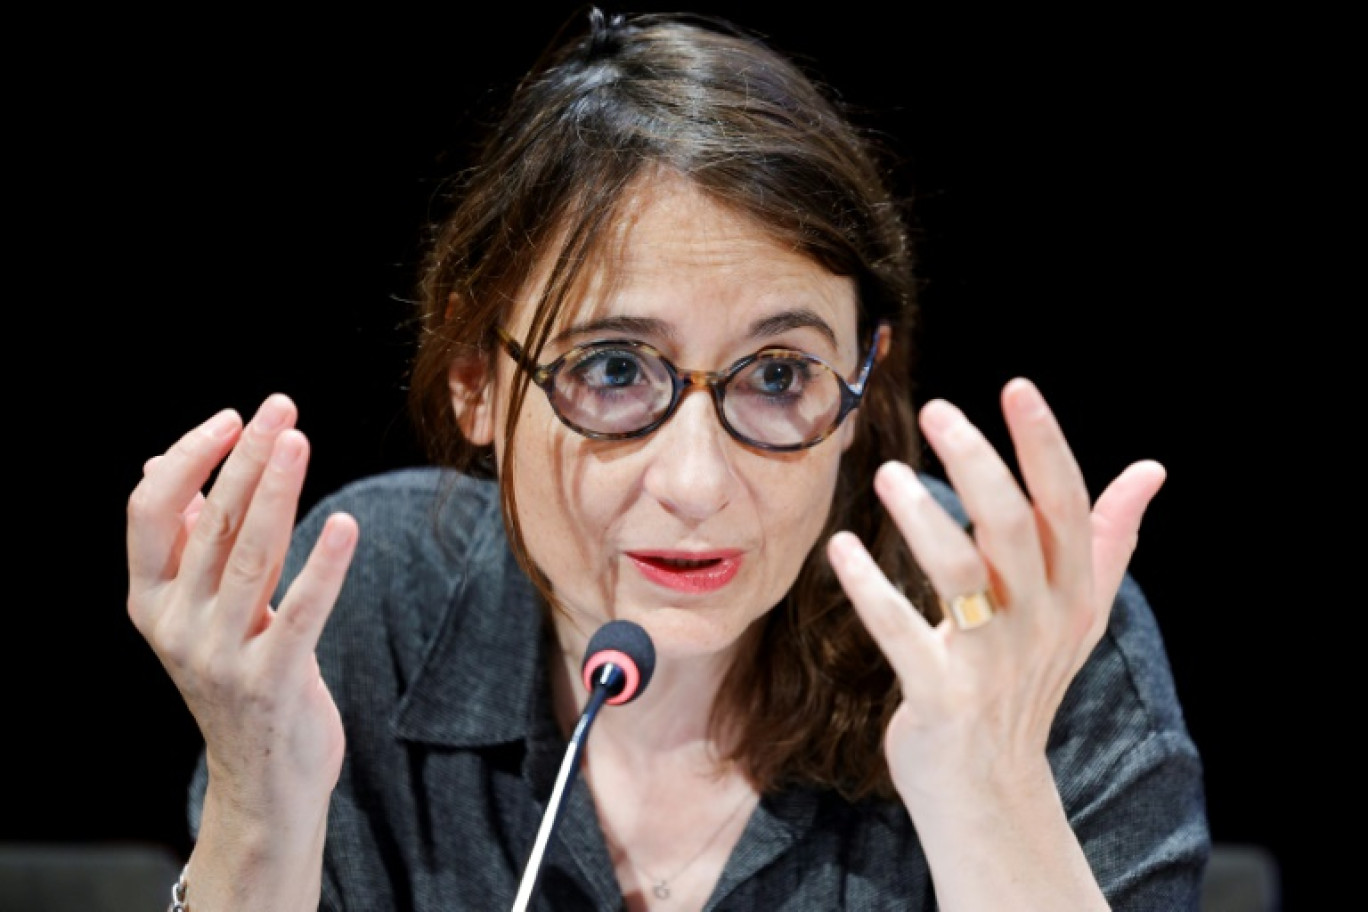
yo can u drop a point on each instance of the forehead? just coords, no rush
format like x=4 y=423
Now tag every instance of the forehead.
x=677 y=256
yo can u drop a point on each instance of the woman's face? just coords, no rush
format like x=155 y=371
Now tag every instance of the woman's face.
x=686 y=531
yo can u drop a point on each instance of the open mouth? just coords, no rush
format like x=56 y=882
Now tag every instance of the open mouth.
x=681 y=564
x=688 y=574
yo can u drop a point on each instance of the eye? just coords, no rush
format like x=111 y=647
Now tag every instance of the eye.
x=774 y=376
x=607 y=369
x=611 y=388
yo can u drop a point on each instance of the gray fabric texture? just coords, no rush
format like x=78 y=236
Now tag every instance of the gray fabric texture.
x=436 y=656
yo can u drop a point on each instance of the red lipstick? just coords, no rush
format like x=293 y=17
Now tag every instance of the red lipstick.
x=692 y=572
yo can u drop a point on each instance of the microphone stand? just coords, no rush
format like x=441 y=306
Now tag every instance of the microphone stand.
x=610 y=678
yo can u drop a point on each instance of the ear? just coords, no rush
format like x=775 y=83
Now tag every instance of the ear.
x=472 y=398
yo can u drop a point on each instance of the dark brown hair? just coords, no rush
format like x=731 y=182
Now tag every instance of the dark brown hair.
x=611 y=104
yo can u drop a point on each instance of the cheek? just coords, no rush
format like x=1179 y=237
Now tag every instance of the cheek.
x=567 y=501
x=544 y=483
x=798 y=500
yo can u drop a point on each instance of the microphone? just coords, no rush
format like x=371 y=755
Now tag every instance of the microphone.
x=626 y=655
x=618 y=664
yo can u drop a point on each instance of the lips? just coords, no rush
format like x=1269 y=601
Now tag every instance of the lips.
x=689 y=572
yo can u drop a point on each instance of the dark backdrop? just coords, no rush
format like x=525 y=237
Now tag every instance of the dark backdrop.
x=232 y=207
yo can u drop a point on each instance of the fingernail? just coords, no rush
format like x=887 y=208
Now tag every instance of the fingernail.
x=947 y=423
x=222 y=424
x=1027 y=397
x=287 y=452
x=337 y=536
x=899 y=473
x=838 y=549
x=270 y=416
x=844 y=550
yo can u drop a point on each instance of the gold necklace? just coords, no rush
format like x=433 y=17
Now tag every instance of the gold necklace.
x=660 y=886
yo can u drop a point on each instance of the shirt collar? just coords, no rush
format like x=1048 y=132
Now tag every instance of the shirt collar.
x=494 y=618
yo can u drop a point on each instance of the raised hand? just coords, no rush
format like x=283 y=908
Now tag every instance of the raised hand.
x=966 y=747
x=202 y=570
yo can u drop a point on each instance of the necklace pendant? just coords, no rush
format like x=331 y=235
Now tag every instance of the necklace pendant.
x=661 y=890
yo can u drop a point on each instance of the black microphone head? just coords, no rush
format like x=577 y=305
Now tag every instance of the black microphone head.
x=626 y=645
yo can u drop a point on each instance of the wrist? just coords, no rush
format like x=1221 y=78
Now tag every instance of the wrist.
x=178 y=892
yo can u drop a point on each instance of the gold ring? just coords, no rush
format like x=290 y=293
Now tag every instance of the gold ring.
x=972 y=610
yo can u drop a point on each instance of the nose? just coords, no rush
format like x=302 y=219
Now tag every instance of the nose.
x=691 y=472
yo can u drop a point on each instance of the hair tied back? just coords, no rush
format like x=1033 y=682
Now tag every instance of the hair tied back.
x=605 y=32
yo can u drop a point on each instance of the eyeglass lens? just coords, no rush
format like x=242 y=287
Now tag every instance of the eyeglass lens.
x=778 y=398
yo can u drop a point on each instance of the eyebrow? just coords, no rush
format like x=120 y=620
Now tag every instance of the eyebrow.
x=773 y=325
x=624 y=325
x=798 y=318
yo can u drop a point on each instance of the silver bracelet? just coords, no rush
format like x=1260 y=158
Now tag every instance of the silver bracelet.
x=178 y=903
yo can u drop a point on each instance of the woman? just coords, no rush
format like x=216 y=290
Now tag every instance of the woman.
x=870 y=691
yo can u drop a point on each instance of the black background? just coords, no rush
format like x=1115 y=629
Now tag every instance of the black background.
x=228 y=207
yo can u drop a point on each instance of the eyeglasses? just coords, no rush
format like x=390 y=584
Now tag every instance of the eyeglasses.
x=777 y=399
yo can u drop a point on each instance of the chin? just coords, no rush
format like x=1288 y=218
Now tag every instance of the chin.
x=691 y=633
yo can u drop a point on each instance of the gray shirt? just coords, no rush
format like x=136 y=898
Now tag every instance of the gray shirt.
x=436 y=654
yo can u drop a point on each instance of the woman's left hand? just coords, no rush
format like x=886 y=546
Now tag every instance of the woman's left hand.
x=977 y=704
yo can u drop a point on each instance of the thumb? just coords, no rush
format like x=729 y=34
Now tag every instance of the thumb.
x=1116 y=519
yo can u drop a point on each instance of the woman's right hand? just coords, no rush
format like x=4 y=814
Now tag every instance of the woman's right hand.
x=202 y=571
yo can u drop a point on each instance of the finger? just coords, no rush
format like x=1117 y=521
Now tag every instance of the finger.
x=899 y=629
x=211 y=540
x=170 y=485
x=1056 y=486
x=254 y=562
x=1116 y=523
x=309 y=602
x=192 y=510
x=1003 y=519
x=940 y=544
